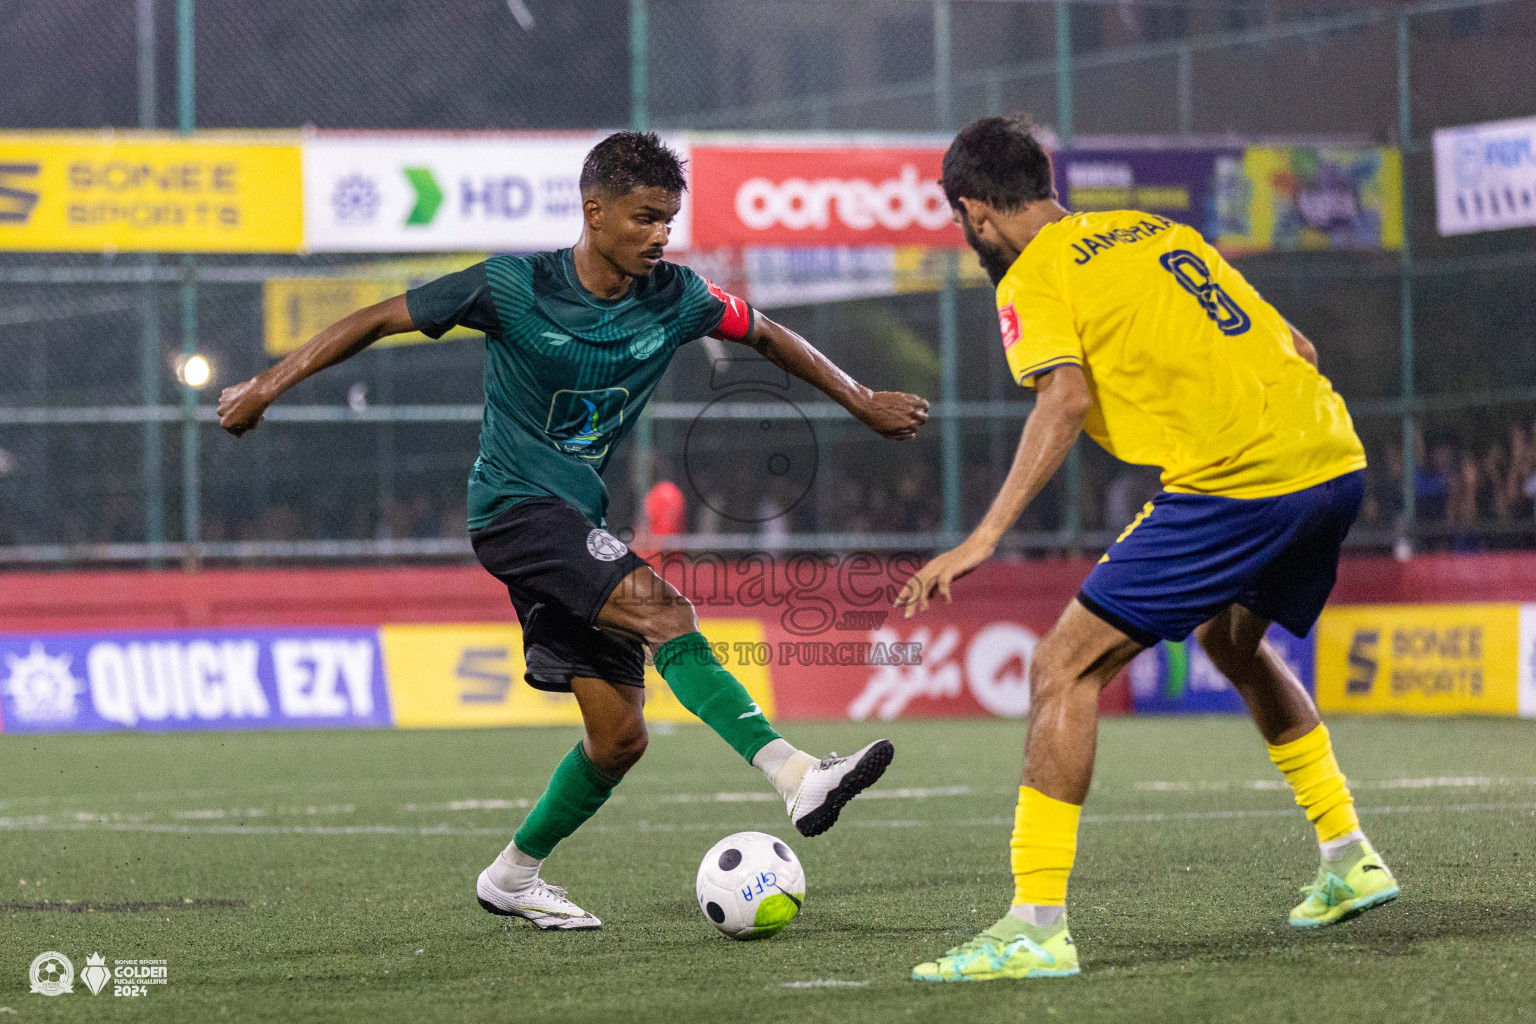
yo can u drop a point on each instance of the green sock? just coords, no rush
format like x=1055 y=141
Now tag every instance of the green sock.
x=703 y=686
x=575 y=792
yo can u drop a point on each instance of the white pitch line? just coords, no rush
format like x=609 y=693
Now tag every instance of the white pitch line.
x=41 y=823
x=769 y=798
x=825 y=983
x=1269 y=785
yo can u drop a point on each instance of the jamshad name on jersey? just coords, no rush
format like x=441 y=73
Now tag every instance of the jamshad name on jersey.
x=1089 y=245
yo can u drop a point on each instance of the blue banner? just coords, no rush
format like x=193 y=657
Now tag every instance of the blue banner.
x=181 y=680
x=1178 y=677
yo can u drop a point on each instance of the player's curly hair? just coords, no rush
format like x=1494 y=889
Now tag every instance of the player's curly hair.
x=998 y=161
x=625 y=161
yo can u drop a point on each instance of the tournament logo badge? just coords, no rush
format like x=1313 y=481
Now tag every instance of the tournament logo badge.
x=52 y=974
x=604 y=546
x=96 y=973
x=41 y=687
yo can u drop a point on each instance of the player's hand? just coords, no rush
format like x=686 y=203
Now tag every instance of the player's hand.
x=935 y=577
x=241 y=406
x=894 y=414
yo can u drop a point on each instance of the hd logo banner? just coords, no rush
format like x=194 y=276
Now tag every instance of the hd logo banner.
x=192 y=680
x=1423 y=659
x=148 y=193
x=449 y=193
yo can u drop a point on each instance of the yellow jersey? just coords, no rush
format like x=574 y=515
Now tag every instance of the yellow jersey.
x=1189 y=368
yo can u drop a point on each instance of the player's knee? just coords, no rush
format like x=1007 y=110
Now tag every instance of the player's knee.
x=617 y=752
x=670 y=618
x=1049 y=675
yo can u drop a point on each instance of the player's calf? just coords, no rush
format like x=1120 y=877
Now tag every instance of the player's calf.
x=814 y=790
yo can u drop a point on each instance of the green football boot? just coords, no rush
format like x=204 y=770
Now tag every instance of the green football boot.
x=1347 y=885
x=1008 y=949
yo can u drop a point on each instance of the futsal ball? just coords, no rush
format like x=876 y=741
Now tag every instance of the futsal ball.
x=750 y=885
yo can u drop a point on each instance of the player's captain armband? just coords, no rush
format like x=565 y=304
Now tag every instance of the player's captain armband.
x=1008 y=320
x=736 y=321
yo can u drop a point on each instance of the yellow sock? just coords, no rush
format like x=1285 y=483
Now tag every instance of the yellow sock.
x=1309 y=766
x=1043 y=847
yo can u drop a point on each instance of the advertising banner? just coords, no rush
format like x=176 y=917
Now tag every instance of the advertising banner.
x=463 y=675
x=847 y=194
x=162 y=681
x=1292 y=198
x=1527 y=667
x=1485 y=176
x=1174 y=678
x=296 y=309
x=424 y=193
x=1420 y=659
x=1177 y=183
x=70 y=193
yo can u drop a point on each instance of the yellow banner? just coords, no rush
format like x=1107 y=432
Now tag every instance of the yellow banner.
x=920 y=268
x=144 y=193
x=471 y=674
x=296 y=309
x=1425 y=659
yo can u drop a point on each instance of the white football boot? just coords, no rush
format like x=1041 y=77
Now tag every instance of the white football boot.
x=832 y=782
x=544 y=904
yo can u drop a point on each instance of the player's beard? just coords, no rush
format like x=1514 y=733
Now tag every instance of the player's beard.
x=995 y=260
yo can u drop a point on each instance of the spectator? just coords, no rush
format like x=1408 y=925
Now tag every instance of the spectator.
x=1432 y=483
x=1461 y=507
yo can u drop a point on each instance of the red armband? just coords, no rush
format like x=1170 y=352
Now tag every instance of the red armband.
x=736 y=322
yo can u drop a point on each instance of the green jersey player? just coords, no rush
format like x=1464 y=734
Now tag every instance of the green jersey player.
x=576 y=341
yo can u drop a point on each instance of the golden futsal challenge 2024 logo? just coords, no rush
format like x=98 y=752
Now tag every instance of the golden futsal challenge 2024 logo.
x=53 y=974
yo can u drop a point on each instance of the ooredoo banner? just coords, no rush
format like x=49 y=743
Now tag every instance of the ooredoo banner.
x=836 y=194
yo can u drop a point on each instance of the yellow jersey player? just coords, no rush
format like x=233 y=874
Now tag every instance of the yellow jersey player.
x=1132 y=327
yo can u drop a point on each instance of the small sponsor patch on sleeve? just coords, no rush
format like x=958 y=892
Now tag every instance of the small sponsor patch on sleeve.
x=1008 y=320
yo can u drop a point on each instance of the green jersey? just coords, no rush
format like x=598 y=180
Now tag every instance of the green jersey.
x=566 y=373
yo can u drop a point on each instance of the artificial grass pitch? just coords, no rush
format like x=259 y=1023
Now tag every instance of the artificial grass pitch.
x=330 y=876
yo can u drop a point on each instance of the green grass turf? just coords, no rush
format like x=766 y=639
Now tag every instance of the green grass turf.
x=1178 y=902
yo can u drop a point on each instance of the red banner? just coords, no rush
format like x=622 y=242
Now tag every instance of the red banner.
x=820 y=196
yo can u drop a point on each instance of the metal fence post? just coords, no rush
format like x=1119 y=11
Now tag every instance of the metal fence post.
x=1186 y=90
x=1072 y=518
x=949 y=317
x=643 y=469
x=191 y=469
x=1405 y=276
x=150 y=358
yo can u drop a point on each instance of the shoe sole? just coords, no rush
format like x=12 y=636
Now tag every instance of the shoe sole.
x=1360 y=906
x=555 y=926
x=1038 y=972
x=859 y=778
x=494 y=909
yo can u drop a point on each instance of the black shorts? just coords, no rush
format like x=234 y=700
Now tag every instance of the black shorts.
x=559 y=569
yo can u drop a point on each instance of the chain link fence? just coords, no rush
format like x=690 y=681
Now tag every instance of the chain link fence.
x=368 y=460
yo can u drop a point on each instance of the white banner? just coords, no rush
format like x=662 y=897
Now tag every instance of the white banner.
x=424 y=193
x=1485 y=176
x=1528 y=661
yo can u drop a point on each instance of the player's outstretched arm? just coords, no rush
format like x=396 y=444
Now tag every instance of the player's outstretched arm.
x=1049 y=432
x=893 y=414
x=242 y=405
